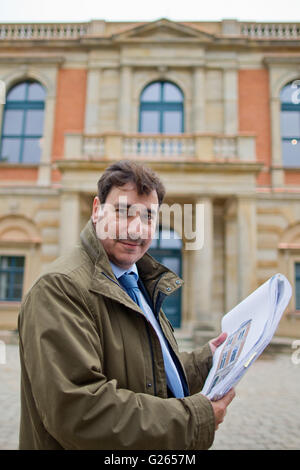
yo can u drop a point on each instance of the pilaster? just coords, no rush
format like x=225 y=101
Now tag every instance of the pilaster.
x=247 y=246
x=69 y=220
x=92 y=110
x=230 y=87
x=199 y=100
x=125 y=99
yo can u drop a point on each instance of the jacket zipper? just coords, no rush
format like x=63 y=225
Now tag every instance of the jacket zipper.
x=155 y=310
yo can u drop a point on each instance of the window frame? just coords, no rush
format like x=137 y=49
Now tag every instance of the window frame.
x=24 y=105
x=295 y=108
x=161 y=106
x=12 y=271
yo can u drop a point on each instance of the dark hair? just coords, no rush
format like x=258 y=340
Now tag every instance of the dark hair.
x=127 y=171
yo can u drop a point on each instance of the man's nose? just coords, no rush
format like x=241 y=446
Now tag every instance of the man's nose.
x=136 y=228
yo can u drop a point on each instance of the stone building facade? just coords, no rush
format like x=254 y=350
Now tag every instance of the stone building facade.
x=213 y=107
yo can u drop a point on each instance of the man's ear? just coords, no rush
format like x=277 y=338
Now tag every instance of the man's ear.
x=96 y=208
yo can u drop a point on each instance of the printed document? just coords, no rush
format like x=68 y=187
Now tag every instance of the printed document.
x=250 y=327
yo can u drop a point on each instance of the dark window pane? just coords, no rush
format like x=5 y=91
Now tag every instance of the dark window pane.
x=13 y=120
x=3 y=262
x=172 y=263
x=169 y=240
x=172 y=93
x=31 y=151
x=17 y=93
x=297 y=269
x=291 y=153
x=154 y=243
x=36 y=92
x=152 y=92
x=19 y=261
x=16 y=293
x=290 y=124
x=18 y=279
x=4 y=285
x=150 y=122
x=11 y=150
x=11 y=277
x=172 y=122
x=34 y=122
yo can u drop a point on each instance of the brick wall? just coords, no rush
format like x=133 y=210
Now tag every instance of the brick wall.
x=254 y=115
x=18 y=174
x=70 y=107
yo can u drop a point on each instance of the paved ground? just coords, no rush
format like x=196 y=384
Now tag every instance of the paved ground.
x=264 y=415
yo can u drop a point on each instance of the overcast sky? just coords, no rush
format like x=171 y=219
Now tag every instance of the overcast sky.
x=17 y=11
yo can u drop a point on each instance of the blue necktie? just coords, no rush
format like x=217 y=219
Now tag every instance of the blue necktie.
x=130 y=284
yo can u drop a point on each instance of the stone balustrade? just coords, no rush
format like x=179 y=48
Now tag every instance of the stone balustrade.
x=43 y=31
x=158 y=146
x=205 y=147
x=270 y=30
x=35 y=31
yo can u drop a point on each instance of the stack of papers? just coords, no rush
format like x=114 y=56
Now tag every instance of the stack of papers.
x=250 y=327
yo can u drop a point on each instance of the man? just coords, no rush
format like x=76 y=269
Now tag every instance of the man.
x=100 y=368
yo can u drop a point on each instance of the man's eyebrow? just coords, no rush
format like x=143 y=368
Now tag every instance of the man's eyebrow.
x=121 y=204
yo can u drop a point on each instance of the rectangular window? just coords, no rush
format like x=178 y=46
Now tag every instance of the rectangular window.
x=11 y=277
x=297 y=285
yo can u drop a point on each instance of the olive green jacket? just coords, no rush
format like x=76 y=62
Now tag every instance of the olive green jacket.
x=92 y=370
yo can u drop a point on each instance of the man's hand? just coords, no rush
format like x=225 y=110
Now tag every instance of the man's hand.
x=220 y=407
x=216 y=342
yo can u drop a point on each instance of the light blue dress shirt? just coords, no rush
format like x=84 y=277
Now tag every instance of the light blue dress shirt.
x=173 y=378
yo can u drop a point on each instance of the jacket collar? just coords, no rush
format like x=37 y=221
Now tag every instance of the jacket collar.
x=156 y=277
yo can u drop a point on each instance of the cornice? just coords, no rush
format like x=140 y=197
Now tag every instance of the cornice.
x=32 y=59
x=167 y=165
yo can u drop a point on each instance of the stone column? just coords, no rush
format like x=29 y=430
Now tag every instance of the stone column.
x=203 y=275
x=247 y=246
x=277 y=171
x=69 y=221
x=44 y=172
x=92 y=107
x=230 y=86
x=240 y=250
x=198 y=124
x=231 y=255
x=125 y=99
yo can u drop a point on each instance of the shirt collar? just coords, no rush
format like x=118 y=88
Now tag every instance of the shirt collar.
x=118 y=272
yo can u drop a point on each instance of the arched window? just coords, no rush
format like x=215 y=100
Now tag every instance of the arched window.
x=161 y=109
x=290 y=124
x=23 y=123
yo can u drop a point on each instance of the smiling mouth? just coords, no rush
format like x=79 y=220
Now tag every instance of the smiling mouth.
x=130 y=243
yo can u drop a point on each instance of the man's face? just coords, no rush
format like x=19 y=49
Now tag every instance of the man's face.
x=125 y=224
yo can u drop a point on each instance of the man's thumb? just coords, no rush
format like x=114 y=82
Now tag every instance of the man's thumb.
x=229 y=396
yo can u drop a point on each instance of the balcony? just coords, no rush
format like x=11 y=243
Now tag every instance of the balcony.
x=196 y=147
